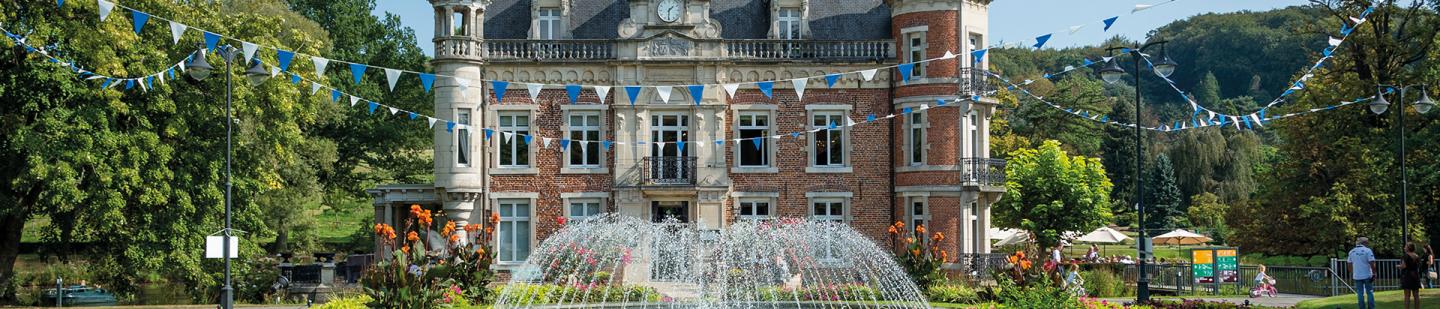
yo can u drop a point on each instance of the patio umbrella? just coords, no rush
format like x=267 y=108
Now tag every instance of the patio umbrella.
x=999 y=234
x=1019 y=237
x=1180 y=237
x=1103 y=235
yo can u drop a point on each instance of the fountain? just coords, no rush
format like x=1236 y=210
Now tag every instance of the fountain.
x=624 y=262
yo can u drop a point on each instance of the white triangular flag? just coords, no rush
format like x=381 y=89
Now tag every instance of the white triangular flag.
x=868 y=74
x=274 y=71
x=534 y=90
x=1141 y=7
x=1212 y=116
x=948 y=55
x=661 y=145
x=849 y=122
x=664 y=92
x=464 y=85
x=545 y=142
x=393 y=110
x=1335 y=41
x=1106 y=59
x=1236 y=120
x=602 y=91
x=353 y=100
x=584 y=144
x=105 y=8
x=314 y=87
x=1256 y=118
x=432 y=121
x=800 y=87
x=177 y=30
x=509 y=136
x=1357 y=21
x=392 y=76
x=249 y=50
x=730 y=89
x=1076 y=28
x=320 y=64
x=181 y=65
x=924 y=107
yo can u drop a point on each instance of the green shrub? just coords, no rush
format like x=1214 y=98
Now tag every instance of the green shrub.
x=848 y=292
x=1104 y=283
x=952 y=293
x=1319 y=261
x=1040 y=294
x=349 y=302
x=539 y=294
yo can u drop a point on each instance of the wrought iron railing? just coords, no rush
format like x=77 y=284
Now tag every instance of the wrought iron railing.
x=984 y=171
x=976 y=81
x=809 y=50
x=669 y=170
x=496 y=49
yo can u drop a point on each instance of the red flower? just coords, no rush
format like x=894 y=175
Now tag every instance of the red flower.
x=561 y=220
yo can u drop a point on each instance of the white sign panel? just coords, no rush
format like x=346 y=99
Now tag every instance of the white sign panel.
x=213 y=247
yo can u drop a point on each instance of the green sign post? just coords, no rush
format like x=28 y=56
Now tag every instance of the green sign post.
x=1220 y=265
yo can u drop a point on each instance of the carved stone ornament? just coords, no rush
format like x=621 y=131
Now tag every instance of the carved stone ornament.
x=669 y=46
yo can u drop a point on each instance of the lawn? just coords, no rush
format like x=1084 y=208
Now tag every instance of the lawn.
x=1389 y=299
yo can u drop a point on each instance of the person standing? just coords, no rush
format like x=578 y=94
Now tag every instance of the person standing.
x=1430 y=267
x=1410 y=267
x=1362 y=270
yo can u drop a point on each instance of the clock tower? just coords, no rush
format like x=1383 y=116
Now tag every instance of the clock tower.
x=690 y=18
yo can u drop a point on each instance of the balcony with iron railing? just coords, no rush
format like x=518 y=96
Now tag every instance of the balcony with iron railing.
x=986 y=173
x=600 y=50
x=976 y=81
x=668 y=171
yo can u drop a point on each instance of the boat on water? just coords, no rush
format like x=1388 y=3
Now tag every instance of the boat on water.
x=79 y=295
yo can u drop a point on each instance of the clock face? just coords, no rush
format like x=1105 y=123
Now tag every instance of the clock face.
x=668 y=10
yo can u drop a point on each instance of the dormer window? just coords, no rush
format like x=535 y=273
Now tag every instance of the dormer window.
x=548 y=24
x=788 y=23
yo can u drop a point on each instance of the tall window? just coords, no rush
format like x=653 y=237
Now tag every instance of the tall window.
x=975 y=43
x=584 y=126
x=549 y=23
x=754 y=127
x=919 y=212
x=788 y=23
x=514 y=230
x=753 y=209
x=915 y=46
x=830 y=210
x=514 y=152
x=581 y=209
x=462 y=153
x=977 y=242
x=915 y=138
x=457 y=23
x=829 y=142
x=977 y=138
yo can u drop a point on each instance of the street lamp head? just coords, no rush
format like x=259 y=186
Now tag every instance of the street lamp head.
x=1379 y=105
x=1112 y=72
x=1425 y=103
x=199 y=67
x=1165 y=67
x=257 y=73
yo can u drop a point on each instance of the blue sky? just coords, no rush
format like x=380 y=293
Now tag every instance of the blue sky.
x=1010 y=20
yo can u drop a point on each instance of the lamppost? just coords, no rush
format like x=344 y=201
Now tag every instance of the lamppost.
x=1379 y=106
x=199 y=70
x=1111 y=73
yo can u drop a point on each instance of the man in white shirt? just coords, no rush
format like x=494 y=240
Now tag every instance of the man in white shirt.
x=1362 y=269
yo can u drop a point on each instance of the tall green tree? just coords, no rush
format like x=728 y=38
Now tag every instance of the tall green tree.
x=1119 y=160
x=1038 y=121
x=137 y=176
x=1049 y=192
x=1163 y=203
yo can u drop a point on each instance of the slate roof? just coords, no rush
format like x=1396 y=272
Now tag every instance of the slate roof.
x=739 y=19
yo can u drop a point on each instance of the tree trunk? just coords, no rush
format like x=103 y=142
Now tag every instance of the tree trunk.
x=11 y=226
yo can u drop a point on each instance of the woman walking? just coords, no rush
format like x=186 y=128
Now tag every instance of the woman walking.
x=1411 y=266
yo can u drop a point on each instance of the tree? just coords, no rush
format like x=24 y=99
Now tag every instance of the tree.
x=1037 y=121
x=137 y=176
x=1049 y=193
x=1119 y=159
x=1163 y=208
x=1208 y=213
x=1208 y=91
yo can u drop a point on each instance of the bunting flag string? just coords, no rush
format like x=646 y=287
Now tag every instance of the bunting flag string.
x=145 y=81
x=1044 y=38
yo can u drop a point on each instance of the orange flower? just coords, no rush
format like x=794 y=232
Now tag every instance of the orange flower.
x=920 y=229
x=379 y=229
x=494 y=217
x=412 y=236
x=449 y=228
x=489 y=230
x=472 y=228
x=916 y=252
x=405 y=249
x=892 y=230
x=944 y=255
x=480 y=251
x=938 y=237
x=454 y=238
x=899 y=224
x=909 y=240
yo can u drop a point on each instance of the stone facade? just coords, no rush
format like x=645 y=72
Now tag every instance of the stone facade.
x=932 y=166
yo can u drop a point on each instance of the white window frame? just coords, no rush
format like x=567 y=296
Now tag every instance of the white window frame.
x=598 y=127
x=915 y=45
x=513 y=220
x=754 y=203
x=586 y=210
x=837 y=114
x=974 y=42
x=917 y=218
x=788 y=23
x=917 y=125
x=464 y=143
x=831 y=199
x=501 y=167
x=767 y=147
x=551 y=17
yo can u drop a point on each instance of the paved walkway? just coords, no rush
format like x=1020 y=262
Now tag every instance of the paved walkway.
x=1282 y=300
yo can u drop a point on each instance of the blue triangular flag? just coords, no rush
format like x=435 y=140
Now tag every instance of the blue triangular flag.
x=528 y=138
x=60 y=3
x=413 y=115
x=940 y=102
x=564 y=144
x=373 y=105
x=171 y=72
x=1088 y=62
x=573 y=91
x=499 y=89
x=720 y=142
x=150 y=82
x=696 y=92
x=357 y=71
x=107 y=82
x=1110 y=22
x=1085 y=114
x=766 y=87
x=1247 y=122
x=488 y=132
x=1040 y=40
x=139 y=18
x=832 y=125
x=211 y=39
x=1070 y=110
x=831 y=79
x=427 y=81
x=334 y=95
x=906 y=110
x=794 y=134
x=633 y=92
x=129 y=84
x=605 y=144
x=870 y=118
x=1105 y=118
x=680 y=145
x=284 y=57
x=1328 y=51
x=1261 y=113
x=905 y=69
x=757 y=142
x=1194 y=122
x=449 y=126
x=978 y=55
x=295 y=79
